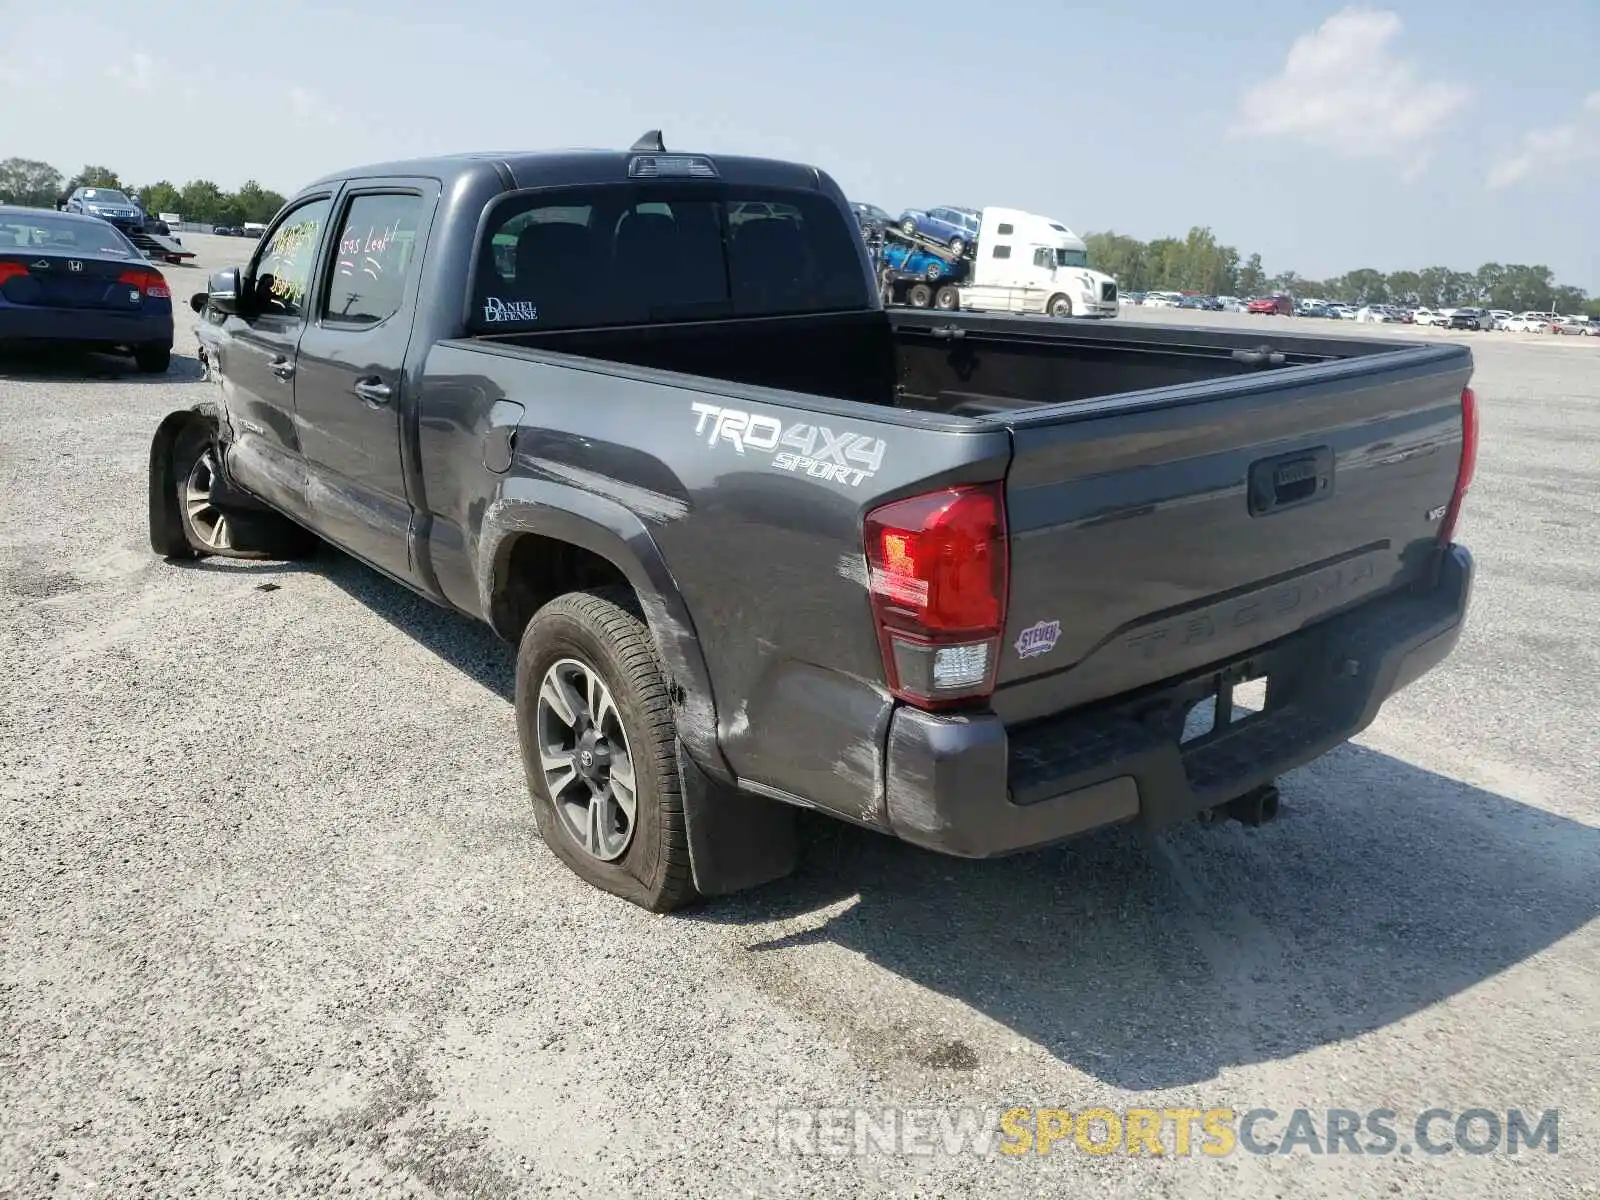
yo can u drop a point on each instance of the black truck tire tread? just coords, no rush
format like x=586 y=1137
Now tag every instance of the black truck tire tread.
x=660 y=879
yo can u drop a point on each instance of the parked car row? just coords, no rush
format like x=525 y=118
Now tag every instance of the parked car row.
x=1468 y=317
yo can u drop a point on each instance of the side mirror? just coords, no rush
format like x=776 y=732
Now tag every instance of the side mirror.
x=225 y=292
x=199 y=300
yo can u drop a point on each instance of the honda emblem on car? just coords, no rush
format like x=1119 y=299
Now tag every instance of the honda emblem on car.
x=74 y=265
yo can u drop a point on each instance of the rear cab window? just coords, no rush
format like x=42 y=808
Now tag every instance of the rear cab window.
x=634 y=254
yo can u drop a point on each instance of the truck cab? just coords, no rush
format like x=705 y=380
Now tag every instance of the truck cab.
x=1027 y=263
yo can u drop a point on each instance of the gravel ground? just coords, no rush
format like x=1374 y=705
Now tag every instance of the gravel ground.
x=274 y=919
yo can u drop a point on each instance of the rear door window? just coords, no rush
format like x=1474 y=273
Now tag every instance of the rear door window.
x=632 y=255
x=376 y=245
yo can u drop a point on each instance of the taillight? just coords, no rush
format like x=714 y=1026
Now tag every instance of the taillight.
x=149 y=283
x=11 y=270
x=938 y=572
x=1468 y=466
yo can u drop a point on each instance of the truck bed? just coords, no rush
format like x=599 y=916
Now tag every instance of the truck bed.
x=958 y=363
x=1142 y=509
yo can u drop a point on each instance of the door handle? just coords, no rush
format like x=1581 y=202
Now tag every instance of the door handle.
x=373 y=390
x=283 y=368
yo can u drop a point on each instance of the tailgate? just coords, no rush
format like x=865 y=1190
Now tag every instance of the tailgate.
x=1157 y=532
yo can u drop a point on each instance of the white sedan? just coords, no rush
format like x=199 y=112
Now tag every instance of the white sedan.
x=1375 y=313
x=1528 y=323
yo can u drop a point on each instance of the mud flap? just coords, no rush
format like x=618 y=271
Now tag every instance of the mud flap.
x=736 y=840
x=166 y=521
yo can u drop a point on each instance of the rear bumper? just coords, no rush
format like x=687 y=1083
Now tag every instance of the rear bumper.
x=967 y=786
x=84 y=326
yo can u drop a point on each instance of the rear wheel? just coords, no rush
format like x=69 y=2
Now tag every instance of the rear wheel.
x=908 y=226
x=1059 y=306
x=599 y=748
x=957 y=245
x=152 y=359
x=945 y=298
x=919 y=295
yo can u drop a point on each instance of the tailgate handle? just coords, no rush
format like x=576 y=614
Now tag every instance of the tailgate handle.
x=1289 y=480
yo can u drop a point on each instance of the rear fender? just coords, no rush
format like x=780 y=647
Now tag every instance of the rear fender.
x=736 y=840
x=606 y=528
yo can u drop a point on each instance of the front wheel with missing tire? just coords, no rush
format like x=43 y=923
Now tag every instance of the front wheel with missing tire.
x=599 y=748
x=210 y=524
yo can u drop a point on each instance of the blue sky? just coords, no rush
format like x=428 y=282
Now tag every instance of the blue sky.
x=1325 y=137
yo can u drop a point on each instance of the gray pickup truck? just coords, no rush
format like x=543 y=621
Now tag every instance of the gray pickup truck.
x=761 y=544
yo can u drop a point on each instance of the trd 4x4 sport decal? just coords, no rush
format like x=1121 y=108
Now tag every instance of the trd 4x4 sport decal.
x=801 y=449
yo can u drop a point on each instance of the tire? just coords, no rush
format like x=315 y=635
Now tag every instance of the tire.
x=946 y=298
x=919 y=295
x=223 y=531
x=603 y=633
x=152 y=359
x=957 y=245
x=1059 y=306
x=908 y=226
x=933 y=271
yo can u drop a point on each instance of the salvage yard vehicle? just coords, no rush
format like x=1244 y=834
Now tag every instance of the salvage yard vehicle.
x=1017 y=262
x=1470 y=318
x=1277 y=305
x=70 y=280
x=150 y=234
x=1026 y=263
x=763 y=545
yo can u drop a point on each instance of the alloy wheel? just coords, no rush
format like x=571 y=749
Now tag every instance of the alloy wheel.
x=209 y=523
x=585 y=758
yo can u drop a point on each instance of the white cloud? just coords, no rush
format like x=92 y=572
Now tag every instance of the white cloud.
x=311 y=106
x=1553 y=147
x=1344 y=89
x=303 y=101
x=138 y=75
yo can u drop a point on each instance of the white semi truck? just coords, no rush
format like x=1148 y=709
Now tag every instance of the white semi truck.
x=1020 y=262
x=1027 y=263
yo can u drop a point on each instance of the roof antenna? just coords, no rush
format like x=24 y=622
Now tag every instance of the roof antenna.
x=650 y=143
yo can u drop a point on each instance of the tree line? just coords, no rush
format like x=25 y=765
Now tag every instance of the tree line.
x=1196 y=263
x=28 y=181
x=1199 y=263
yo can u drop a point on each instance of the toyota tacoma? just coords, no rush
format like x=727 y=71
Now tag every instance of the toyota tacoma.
x=762 y=545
